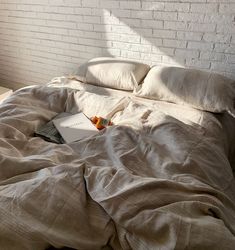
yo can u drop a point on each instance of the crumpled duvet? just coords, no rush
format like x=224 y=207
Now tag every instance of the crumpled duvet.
x=158 y=179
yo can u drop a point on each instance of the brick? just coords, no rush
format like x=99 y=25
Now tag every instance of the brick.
x=225 y=48
x=132 y=47
x=130 y=54
x=146 y=32
x=122 y=13
x=233 y=39
x=164 y=33
x=131 y=22
x=202 y=46
x=174 y=43
x=152 y=24
x=203 y=8
x=50 y=9
x=77 y=47
x=201 y=27
x=223 y=67
x=91 y=34
x=199 y=64
x=84 y=26
x=69 y=39
x=19 y=14
x=169 y=60
x=83 y=11
x=227 y=8
x=23 y=7
x=175 y=25
x=92 y=19
x=163 y=51
x=54 y=30
x=55 y=2
x=184 y=53
x=153 y=5
x=231 y=58
x=184 y=7
x=219 y=1
x=71 y=2
x=109 y=4
x=42 y=2
x=60 y=24
x=221 y=28
x=160 y=15
x=92 y=42
x=219 y=18
x=189 y=36
x=130 y=5
x=102 y=28
x=65 y=10
x=142 y=14
x=152 y=41
x=111 y=51
x=121 y=37
x=123 y=29
x=213 y=37
x=148 y=57
x=212 y=56
x=72 y=18
x=99 y=12
x=90 y=3
x=191 y=17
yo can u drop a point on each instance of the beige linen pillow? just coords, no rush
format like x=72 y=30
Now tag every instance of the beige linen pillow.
x=199 y=89
x=112 y=72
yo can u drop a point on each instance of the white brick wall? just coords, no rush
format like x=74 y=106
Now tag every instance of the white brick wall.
x=47 y=38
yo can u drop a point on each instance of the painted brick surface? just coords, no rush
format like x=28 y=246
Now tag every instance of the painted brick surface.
x=47 y=38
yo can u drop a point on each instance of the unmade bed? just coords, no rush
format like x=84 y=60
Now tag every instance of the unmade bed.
x=160 y=178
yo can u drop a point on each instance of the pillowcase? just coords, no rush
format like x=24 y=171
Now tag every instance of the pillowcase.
x=199 y=89
x=112 y=72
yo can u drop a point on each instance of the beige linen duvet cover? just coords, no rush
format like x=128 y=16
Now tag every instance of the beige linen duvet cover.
x=158 y=179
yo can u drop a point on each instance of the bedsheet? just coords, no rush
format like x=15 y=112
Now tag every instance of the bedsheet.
x=159 y=178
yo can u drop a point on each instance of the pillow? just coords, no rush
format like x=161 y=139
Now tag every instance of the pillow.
x=199 y=89
x=112 y=72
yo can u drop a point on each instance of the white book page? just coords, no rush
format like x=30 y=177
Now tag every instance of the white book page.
x=75 y=127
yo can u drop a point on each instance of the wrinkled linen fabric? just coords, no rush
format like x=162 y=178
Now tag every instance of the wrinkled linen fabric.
x=158 y=179
x=199 y=89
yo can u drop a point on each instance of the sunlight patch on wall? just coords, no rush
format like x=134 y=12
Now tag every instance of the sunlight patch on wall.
x=128 y=40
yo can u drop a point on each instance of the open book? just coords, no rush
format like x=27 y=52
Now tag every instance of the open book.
x=75 y=127
x=49 y=132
